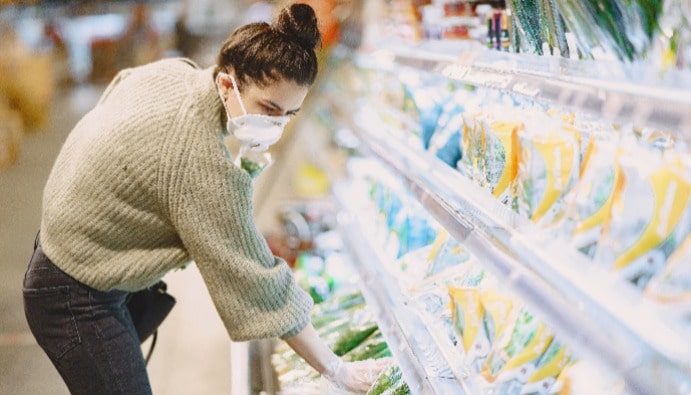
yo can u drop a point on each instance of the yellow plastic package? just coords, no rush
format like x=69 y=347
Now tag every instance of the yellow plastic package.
x=497 y=310
x=548 y=155
x=650 y=214
x=473 y=145
x=673 y=285
x=500 y=161
x=548 y=369
x=514 y=357
x=444 y=253
x=589 y=203
x=467 y=315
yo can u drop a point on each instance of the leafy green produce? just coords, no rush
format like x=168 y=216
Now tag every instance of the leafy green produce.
x=650 y=13
x=352 y=337
x=388 y=379
x=252 y=168
x=527 y=19
x=371 y=350
x=554 y=26
x=625 y=28
x=336 y=308
x=401 y=389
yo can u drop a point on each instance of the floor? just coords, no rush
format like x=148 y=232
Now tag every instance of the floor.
x=192 y=355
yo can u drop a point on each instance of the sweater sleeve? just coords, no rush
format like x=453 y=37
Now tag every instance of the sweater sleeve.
x=210 y=202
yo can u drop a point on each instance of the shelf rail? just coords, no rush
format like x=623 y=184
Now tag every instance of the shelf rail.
x=622 y=93
x=409 y=339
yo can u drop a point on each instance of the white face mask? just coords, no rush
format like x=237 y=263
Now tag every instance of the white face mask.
x=256 y=132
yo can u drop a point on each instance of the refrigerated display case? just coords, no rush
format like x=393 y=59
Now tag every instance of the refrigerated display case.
x=450 y=128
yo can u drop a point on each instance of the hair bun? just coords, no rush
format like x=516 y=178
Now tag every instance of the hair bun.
x=299 y=22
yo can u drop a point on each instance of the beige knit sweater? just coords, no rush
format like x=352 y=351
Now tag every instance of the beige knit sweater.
x=145 y=184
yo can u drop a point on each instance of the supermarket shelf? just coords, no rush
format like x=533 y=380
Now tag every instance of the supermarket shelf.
x=602 y=317
x=251 y=370
x=422 y=362
x=240 y=368
x=625 y=93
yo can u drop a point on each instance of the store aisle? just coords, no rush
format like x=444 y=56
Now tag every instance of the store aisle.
x=193 y=351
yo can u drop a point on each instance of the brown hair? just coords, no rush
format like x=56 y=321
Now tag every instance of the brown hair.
x=263 y=53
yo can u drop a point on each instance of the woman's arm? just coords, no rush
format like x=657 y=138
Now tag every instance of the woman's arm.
x=313 y=350
x=352 y=376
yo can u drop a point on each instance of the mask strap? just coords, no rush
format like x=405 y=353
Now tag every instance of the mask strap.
x=235 y=89
x=237 y=94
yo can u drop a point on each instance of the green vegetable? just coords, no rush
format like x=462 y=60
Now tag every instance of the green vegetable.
x=388 y=379
x=623 y=27
x=527 y=20
x=650 y=12
x=352 y=337
x=368 y=351
x=252 y=168
x=555 y=27
x=385 y=353
x=336 y=308
x=400 y=389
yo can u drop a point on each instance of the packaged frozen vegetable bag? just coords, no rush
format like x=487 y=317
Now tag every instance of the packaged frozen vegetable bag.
x=673 y=285
x=411 y=230
x=473 y=145
x=499 y=162
x=515 y=355
x=445 y=252
x=446 y=141
x=468 y=320
x=411 y=267
x=548 y=369
x=432 y=295
x=590 y=201
x=497 y=308
x=650 y=214
x=424 y=101
x=548 y=166
x=389 y=379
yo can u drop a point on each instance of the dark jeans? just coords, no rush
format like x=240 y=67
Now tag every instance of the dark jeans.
x=87 y=334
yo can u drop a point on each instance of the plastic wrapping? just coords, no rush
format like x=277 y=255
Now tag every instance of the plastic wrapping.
x=499 y=163
x=544 y=379
x=623 y=28
x=672 y=286
x=424 y=101
x=548 y=166
x=446 y=142
x=515 y=355
x=650 y=215
x=590 y=202
x=390 y=381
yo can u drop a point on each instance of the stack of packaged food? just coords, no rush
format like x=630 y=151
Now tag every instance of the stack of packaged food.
x=619 y=195
x=493 y=333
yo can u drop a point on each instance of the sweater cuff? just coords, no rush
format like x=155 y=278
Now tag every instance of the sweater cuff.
x=302 y=324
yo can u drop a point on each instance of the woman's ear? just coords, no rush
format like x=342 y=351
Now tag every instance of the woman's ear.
x=224 y=83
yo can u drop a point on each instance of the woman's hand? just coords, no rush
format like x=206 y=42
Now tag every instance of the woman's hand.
x=350 y=376
x=356 y=376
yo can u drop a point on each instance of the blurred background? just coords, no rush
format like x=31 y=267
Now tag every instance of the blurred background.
x=56 y=57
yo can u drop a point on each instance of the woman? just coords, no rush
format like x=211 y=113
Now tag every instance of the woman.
x=145 y=184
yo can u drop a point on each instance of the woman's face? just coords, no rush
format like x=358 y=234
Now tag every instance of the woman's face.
x=282 y=97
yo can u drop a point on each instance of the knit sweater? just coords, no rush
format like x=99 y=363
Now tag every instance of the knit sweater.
x=145 y=184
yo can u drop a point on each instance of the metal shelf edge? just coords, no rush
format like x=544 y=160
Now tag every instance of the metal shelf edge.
x=564 y=82
x=397 y=326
